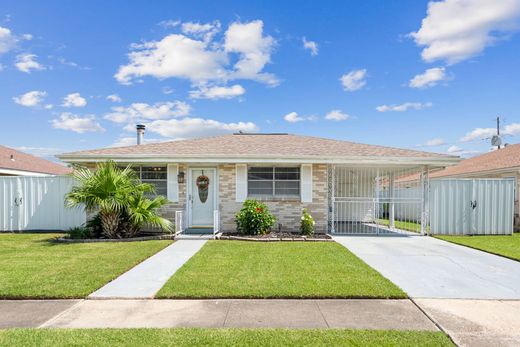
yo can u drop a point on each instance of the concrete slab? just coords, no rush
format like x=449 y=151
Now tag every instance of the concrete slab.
x=426 y=267
x=143 y=314
x=375 y=314
x=30 y=313
x=147 y=278
x=476 y=322
x=354 y=314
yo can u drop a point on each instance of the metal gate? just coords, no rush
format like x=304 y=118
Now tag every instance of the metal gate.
x=472 y=206
x=37 y=203
x=377 y=200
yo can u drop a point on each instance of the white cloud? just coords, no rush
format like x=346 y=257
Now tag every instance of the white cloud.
x=455 y=30
x=167 y=90
x=354 y=80
x=74 y=100
x=217 y=92
x=169 y=23
x=429 y=78
x=454 y=149
x=204 y=31
x=433 y=142
x=337 y=115
x=40 y=151
x=293 y=117
x=479 y=134
x=404 y=107
x=27 y=62
x=312 y=46
x=142 y=111
x=197 y=127
x=512 y=129
x=7 y=40
x=203 y=59
x=31 y=99
x=72 y=122
x=114 y=98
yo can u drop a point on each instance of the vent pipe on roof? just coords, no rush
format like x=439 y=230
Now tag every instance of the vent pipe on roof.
x=140 y=133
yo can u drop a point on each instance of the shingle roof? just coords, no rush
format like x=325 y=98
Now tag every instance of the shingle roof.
x=15 y=160
x=508 y=157
x=255 y=145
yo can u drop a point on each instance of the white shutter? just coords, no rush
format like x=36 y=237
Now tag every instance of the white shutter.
x=173 y=186
x=241 y=182
x=306 y=182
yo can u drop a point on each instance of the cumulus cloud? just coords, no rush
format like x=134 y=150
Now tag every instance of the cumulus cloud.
x=293 y=117
x=404 y=107
x=114 y=98
x=312 y=46
x=78 y=124
x=74 y=100
x=433 y=142
x=217 y=92
x=354 y=80
x=31 y=99
x=512 y=129
x=197 y=127
x=199 y=58
x=454 y=149
x=142 y=111
x=429 y=78
x=27 y=62
x=455 y=30
x=337 y=115
x=7 y=40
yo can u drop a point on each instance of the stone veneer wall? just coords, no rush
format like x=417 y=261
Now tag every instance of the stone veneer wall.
x=287 y=212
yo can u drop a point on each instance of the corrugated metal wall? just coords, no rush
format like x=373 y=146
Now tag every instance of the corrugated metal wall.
x=472 y=206
x=37 y=203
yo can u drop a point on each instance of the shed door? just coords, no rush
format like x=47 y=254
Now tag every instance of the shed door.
x=492 y=206
x=450 y=206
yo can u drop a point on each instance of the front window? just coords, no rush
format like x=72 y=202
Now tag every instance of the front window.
x=155 y=175
x=269 y=182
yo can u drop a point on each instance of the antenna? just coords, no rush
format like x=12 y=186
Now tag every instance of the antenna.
x=496 y=140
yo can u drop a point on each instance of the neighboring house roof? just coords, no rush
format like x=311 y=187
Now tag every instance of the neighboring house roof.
x=16 y=162
x=498 y=160
x=255 y=146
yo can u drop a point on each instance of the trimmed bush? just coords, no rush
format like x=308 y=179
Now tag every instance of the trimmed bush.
x=307 y=223
x=254 y=218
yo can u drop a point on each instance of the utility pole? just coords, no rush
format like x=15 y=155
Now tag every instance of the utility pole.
x=498 y=128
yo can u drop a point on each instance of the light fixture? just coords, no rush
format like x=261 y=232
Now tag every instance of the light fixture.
x=180 y=177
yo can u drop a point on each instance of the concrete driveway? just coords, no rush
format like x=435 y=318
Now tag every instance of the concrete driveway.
x=425 y=267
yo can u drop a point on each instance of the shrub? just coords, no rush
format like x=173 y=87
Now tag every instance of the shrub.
x=307 y=223
x=254 y=218
x=80 y=232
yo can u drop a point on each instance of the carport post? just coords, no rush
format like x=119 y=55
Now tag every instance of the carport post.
x=391 y=207
x=425 y=184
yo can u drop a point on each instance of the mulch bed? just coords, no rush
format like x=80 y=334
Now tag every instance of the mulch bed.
x=275 y=236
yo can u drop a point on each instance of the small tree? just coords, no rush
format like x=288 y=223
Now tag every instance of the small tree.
x=254 y=218
x=142 y=210
x=307 y=223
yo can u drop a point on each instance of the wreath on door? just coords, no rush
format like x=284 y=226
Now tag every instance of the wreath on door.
x=202 y=185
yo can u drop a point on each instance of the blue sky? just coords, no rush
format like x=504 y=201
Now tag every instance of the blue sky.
x=79 y=75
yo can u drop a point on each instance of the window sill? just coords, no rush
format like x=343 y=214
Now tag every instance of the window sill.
x=276 y=198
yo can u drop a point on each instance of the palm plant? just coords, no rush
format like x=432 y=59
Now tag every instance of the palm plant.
x=107 y=190
x=142 y=210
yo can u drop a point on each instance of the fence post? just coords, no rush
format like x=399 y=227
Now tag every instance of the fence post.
x=425 y=205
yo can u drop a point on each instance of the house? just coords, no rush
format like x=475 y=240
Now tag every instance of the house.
x=336 y=181
x=16 y=163
x=501 y=163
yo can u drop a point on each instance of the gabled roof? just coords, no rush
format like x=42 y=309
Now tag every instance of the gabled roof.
x=11 y=159
x=279 y=146
x=500 y=159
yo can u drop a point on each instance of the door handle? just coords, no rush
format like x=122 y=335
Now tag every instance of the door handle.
x=473 y=204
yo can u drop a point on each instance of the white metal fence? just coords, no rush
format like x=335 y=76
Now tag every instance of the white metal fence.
x=472 y=206
x=37 y=203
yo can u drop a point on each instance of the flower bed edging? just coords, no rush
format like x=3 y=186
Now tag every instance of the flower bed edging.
x=273 y=239
x=132 y=239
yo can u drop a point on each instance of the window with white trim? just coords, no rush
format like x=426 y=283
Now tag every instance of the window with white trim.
x=270 y=182
x=156 y=176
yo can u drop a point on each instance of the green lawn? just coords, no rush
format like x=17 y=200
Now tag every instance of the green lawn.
x=33 y=267
x=242 y=269
x=403 y=225
x=219 y=337
x=506 y=245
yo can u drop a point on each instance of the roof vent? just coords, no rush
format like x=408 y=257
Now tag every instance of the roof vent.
x=140 y=133
x=12 y=157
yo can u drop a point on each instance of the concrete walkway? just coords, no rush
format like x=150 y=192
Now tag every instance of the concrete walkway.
x=147 y=278
x=354 y=314
x=425 y=267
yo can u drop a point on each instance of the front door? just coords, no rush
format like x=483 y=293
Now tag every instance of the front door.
x=202 y=197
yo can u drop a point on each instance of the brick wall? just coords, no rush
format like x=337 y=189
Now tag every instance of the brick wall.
x=287 y=212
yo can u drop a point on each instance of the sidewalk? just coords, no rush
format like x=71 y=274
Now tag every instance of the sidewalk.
x=353 y=314
x=146 y=279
